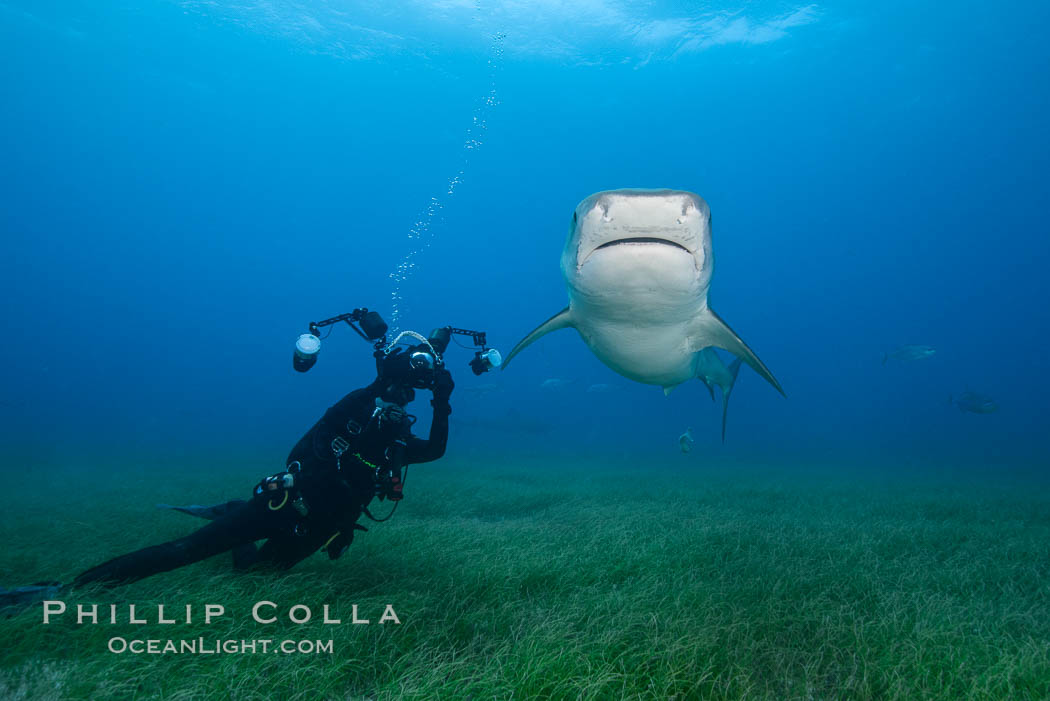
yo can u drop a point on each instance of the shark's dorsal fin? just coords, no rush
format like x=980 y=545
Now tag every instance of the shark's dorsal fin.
x=708 y=326
x=561 y=320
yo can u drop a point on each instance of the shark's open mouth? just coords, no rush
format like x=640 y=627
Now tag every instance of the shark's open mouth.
x=642 y=239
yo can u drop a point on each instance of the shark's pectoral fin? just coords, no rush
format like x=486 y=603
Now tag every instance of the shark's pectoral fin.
x=710 y=330
x=561 y=320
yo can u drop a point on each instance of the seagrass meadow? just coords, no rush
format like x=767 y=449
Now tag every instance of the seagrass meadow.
x=631 y=579
x=195 y=195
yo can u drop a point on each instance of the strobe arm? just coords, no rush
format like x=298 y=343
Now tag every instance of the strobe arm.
x=374 y=326
x=477 y=336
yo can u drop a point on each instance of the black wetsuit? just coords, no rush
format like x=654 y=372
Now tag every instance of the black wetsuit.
x=335 y=490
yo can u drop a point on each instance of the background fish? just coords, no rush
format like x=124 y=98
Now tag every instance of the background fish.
x=975 y=403
x=906 y=353
x=685 y=441
x=481 y=390
x=510 y=421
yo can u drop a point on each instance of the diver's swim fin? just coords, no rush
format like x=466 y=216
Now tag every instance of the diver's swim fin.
x=206 y=512
x=13 y=601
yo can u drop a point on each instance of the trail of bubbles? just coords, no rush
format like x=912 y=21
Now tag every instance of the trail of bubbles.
x=421 y=233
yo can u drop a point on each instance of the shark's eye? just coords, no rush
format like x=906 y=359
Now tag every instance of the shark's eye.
x=574 y=217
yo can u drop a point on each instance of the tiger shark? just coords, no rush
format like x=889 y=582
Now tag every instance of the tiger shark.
x=638 y=265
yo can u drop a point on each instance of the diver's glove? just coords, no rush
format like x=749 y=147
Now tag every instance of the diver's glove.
x=443 y=386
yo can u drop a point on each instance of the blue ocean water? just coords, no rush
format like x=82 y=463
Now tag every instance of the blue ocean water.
x=187 y=184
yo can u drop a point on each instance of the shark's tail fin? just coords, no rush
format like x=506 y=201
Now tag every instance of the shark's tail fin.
x=734 y=370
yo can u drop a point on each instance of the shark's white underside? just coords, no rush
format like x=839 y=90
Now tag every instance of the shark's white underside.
x=638 y=266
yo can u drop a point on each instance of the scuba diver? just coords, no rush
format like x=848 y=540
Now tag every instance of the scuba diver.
x=357 y=451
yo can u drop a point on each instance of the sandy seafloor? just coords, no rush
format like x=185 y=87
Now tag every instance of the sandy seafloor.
x=565 y=577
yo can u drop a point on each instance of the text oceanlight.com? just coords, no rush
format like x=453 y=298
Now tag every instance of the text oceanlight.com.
x=201 y=646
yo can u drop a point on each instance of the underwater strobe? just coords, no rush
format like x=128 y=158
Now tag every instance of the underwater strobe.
x=308 y=345
x=415 y=365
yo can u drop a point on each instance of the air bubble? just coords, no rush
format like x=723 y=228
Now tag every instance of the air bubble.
x=421 y=234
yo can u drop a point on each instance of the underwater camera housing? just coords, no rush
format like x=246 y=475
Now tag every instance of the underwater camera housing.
x=413 y=366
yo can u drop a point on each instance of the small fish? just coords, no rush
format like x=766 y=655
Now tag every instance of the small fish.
x=906 y=353
x=482 y=390
x=685 y=441
x=513 y=421
x=599 y=388
x=975 y=403
x=554 y=383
